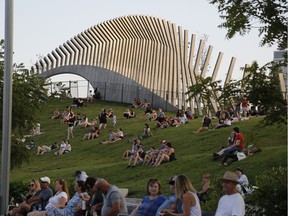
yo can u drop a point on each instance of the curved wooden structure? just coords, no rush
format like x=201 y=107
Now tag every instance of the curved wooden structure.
x=146 y=51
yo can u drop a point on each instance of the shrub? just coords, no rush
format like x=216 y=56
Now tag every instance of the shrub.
x=271 y=196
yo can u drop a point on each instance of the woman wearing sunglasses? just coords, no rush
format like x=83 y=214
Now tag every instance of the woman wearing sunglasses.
x=34 y=187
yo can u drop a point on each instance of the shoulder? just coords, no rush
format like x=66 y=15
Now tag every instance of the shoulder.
x=161 y=198
x=63 y=194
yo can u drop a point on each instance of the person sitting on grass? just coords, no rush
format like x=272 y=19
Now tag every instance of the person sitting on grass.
x=147 y=132
x=65 y=147
x=84 y=121
x=237 y=146
x=31 y=145
x=137 y=156
x=152 y=116
x=227 y=122
x=56 y=114
x=127 y=113
x=44 y=148
x=111 y=138
x=128 y=152
x=165 y=155
x=151 y=158
x=93 y=133
x=206 y=121
x=204 y=193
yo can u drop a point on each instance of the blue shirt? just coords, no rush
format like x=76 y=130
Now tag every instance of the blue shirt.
x=167 y=204
x=149 y=207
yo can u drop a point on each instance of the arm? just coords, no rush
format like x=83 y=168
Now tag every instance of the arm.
x=62 y=203
x=188 y=202
x=115 y=209
x=33 y=199
x=204 y=188
x=134 y=212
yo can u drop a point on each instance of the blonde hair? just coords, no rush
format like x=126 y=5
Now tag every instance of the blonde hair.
x=37 y=185
x=183 y=185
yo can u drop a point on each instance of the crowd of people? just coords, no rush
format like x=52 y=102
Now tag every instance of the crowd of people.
x=96 y=196
x=185 y=200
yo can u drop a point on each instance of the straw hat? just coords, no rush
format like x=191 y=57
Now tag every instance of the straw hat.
x=230 y=176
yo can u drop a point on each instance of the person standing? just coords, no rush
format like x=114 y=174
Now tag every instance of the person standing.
x=103 y=119
x=114 y=202
x=232 y=203
x=71 y=121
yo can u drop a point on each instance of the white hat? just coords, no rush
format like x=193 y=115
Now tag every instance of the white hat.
x=45 y=179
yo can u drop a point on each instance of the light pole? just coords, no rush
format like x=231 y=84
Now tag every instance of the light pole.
x=7 y=107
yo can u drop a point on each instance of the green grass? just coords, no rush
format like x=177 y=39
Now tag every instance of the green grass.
x=193 y=151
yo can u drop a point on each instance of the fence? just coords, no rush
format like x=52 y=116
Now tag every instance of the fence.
x=119 y=93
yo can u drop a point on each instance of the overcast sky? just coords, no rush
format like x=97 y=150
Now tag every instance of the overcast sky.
x=42 y=25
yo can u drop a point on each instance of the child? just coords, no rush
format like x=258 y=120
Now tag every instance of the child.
x=114 y=120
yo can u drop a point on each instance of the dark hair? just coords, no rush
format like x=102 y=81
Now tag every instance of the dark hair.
x=90 y=182
x=81 y=184
x=147 y=125
x=239 y=169
x=77 y=172
x=151 y=182
x=236 y=129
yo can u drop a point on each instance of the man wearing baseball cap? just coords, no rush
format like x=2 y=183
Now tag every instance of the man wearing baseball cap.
x=40 y=200
x=232 y=203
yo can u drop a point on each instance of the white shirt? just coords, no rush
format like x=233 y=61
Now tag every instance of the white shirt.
x=55 y=200
x=231 y=205
x=82 y=177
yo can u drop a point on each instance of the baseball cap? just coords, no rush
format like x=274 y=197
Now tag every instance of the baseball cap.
x=45 y=179
x=172 y=180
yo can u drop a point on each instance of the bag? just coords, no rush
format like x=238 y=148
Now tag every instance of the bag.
x=241 y=156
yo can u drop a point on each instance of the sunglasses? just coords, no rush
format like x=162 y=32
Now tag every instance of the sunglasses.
x=31 y=185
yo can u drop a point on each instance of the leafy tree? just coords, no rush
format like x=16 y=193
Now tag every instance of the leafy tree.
x=271 y=196
x=229 y=93
x=204 y=89
x=263 y=90
x=27 y=98
x=268 y=16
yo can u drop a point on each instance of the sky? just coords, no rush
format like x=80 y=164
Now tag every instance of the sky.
x=40 y=26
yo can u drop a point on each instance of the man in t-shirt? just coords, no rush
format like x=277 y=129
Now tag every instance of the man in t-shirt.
x=238 y=145
x=232 y=203
x=40 y=200
x=114 y=202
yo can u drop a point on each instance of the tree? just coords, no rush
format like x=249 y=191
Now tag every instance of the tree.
x=262 y=88
x=204 y=89
x=229 y=93
x=268 y=16
x=28 y=95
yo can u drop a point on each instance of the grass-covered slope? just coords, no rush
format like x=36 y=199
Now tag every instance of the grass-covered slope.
x=193 y=151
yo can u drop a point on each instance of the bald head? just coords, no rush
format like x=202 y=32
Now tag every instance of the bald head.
x=102 y=185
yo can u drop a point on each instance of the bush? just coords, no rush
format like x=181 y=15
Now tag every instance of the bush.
x=17 y=188
x=271 y=197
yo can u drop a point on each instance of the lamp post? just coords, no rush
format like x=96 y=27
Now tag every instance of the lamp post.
x=7 y=107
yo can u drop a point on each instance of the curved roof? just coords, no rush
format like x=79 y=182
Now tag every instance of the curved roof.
x=152 y=52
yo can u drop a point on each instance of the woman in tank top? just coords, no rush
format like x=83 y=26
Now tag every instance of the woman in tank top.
x=188 y=195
